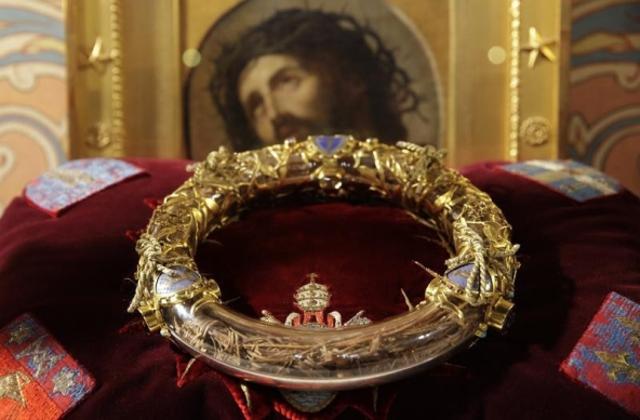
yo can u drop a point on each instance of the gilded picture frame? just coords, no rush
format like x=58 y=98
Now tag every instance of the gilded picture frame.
x=500 y=87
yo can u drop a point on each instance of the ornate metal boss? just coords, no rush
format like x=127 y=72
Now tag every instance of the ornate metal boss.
x=459 y=305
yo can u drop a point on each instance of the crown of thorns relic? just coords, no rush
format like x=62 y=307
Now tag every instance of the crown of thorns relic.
x=459 y=305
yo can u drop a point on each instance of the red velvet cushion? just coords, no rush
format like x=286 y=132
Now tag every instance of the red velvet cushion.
x=71 y=273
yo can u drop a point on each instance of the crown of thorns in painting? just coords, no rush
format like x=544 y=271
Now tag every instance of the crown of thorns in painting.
x=303 y=72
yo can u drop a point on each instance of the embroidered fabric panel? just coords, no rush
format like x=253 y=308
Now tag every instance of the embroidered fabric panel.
x=572 y=179
x=38 y=378
x=76 y=180
x=607 y=356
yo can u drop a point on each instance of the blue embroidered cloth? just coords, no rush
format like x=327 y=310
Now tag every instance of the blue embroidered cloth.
x=572 y=179
x=76 y=180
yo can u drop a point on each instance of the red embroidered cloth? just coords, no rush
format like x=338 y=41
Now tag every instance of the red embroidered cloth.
x=71 y=272
x=607 y=357
x=38 y=378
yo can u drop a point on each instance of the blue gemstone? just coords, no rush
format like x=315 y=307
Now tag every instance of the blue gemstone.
x=330 y=144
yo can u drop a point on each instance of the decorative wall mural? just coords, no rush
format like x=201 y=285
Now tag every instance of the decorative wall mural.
x=604 y=97
x=33 y=111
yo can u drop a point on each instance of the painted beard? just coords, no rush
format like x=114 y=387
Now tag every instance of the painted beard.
x=288 y=125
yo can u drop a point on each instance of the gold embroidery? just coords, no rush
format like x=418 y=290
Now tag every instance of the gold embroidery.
x=71 y=177
x=11 y=387
x=19 y=334
x=619 y=366
x=64 y=381
x=633 y=325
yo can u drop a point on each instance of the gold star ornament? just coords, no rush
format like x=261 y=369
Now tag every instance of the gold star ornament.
x=97 y=59
x=538 y=46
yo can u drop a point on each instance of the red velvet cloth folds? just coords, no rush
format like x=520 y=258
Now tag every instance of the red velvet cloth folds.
x=74 y=274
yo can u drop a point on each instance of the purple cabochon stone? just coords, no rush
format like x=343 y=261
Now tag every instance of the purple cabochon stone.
x=459 y=275
x=330 y=144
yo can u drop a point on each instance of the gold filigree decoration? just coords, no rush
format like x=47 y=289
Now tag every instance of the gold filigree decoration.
x=535 y=131
x=313 y=296
x=313 y=299
x=412 y=177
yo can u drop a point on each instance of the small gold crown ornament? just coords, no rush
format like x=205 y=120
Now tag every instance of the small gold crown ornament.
x=312 y=297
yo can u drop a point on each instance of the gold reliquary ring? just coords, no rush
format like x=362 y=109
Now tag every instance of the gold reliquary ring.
x=474 y=293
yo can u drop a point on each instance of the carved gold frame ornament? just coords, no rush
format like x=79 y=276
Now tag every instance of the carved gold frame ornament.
x=503 y=84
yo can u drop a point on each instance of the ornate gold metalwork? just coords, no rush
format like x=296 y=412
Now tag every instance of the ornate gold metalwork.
x=538 y=47
x=174 y=298
x=97 y=59
x=313 y=299
x=535 y=131
x=313 y=296
x=155 y=35
x=99 y=136
x=96 y=78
